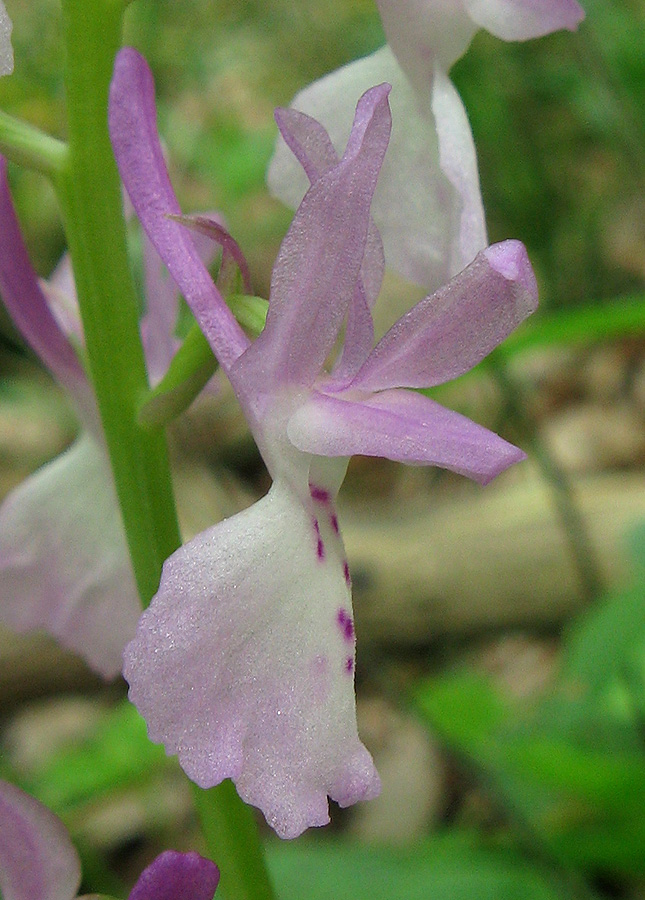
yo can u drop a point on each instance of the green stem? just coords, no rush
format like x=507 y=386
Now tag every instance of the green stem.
x=228 y=824
x=90 y=195
x=89 y=191
x=27 y=146
x=576 y=532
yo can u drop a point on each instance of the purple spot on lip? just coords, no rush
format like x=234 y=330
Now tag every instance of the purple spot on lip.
x=319 y=494
x=346 y=624
x=348 y=577
x=320 y=545
x=349 y=665
x=334 y=523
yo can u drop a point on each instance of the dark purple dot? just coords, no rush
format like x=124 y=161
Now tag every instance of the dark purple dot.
x=346 y=624
x=349 y=665
x=319 y=494
x=334 y=523
x=348 y=577
x=320 y=549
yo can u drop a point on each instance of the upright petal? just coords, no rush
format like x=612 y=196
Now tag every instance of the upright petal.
x=6 y=50
x=451 y=331
x=243 y=663
x=400 y=425
x=320 y=259
x=519 y=20
x=133 y=130
x=312 y=147
x=64 y=563
x=37 y=859
x=177 y=876
x=430 y=230
x=28 y=306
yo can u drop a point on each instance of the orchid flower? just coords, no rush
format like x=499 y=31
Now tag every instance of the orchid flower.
x=243 y=665
x=38 y=859
x=6 y=51
x=64 y=561
x=428 y=204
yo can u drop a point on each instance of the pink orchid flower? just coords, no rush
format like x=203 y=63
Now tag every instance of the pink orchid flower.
x=243 y=665
x=39 y=862
x=64 y=561
x=428 y=204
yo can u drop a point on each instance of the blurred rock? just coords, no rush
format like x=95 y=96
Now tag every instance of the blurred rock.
x=593 y=436
x=412 y=771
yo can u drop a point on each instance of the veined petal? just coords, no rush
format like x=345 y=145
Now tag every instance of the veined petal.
x=451 y=331
x=403 y=426
x=37 y=858
x=133 y=130
x=27 y=304
x=312 y=147
x=6 y=50
x=64 y=564
x=320 y=259
x=243 y=663
x=417 y=207
x=158 y=322
x=519 y=20
x=173 y=875
x=60 y=292
x=458 y=161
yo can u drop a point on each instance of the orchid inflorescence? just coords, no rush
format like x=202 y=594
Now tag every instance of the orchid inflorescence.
x=243 y=664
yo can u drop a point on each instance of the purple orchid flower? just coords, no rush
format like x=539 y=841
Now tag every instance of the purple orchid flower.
x=243 y=665
x=64 y=561
x=6 y=51
x=38 y=859
x=428 y=204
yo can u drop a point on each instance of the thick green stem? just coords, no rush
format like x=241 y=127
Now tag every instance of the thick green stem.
x=228 y=824
x=90 y=195
x=89 y=190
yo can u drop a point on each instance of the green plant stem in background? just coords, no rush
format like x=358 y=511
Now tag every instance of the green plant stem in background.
x=28 y=146
x=90 y=195
x=575 y=530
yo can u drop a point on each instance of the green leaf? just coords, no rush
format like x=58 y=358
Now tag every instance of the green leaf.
x=464 y=708
x=451 y=866
x=116 y=756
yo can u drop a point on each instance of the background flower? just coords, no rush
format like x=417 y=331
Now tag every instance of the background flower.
x=427 y=204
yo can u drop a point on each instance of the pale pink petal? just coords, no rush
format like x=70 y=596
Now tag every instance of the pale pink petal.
x=519 y=20
x=6 y=50
x=423 y=33
x=157 y=324
x=37 y=858
x=243 y=663
x=133 y=130
x=320 y=259
x=417 y=208
x=64 y=563
x=404 y=426
x=177 y=876
x=28 y=306
x=451 y=331
x=312 y=147
x=458 y=161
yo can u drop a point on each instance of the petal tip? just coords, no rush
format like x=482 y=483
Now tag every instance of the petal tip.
x=511 y=260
